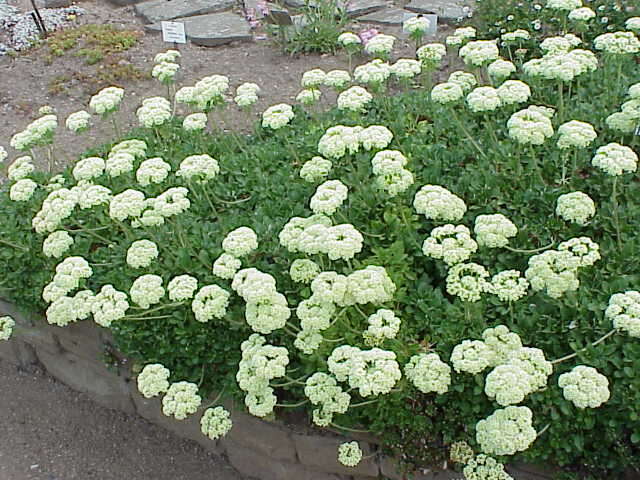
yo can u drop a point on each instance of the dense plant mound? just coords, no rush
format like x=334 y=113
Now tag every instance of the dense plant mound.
x=455 y=264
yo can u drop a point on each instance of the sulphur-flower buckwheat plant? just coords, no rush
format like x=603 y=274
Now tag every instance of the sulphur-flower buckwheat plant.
x=428 y=373
x=446 y=93
x=108 y=306
x=468 y=281
x=147 y=290
x=615 y=159
x=303 y=270
x=337 y=79
x=381 y=45
x=483 y=99
x=482 y=467
x=439 y=204
x=354 y=99
x=328 y=197
x=431 y=55
x=210 y=302
x=309 y=96
x=106 y=101
x=460 y=452
x=78 y=122
x=22 y=190
x=451 y=243
x=586 y=251
x=494 y=231
x=512 y=92
x=226 y=266
x=479 y=52
x=6 y=327
x=165 y=72
x=624 y=311
x=315 y=169
x=506 y=431
x=277 y=116
x=382 y=325
x=509 y=285
x=575 y=134
x=349 y=454
x=215 y=423
x=155 y=111
x=313 y=79
x=56 y=244
x=182 y=287
x=170 y=55
x=240 y=242
x=471 y=356
x=617 y=43
x=142 y=253
x=153 y=380
x=585 y=387
x=581 y=14
x=152 y=170
x=20 y=168
x=181 y=400
x=195 y=122
x=464 y=80
x=198 y=168
x=576 y=207
x=500 y=69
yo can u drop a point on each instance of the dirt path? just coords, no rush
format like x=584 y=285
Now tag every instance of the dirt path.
x=50 y=432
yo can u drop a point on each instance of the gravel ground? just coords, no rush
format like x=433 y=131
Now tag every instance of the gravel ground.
x=50 y=432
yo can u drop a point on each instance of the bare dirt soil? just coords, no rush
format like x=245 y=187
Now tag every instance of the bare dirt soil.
x=50 y=432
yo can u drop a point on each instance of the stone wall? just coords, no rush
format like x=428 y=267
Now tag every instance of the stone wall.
x=77 y=355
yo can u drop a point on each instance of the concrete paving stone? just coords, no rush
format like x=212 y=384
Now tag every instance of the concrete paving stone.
x=158 y=10
x=389 y=16
x=357 y=8
x=447 y=10
x=213 y=29
x=124 y=3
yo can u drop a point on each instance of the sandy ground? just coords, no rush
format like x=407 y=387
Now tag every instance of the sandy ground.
x=50 y=432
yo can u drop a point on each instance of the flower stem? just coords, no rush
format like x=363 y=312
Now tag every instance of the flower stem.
x=535 y=250
x=466 y=132
x=575 y=354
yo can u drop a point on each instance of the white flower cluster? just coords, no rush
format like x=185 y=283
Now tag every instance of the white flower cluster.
x=106 y=100
x=633 y=24
x=147 y=290
x=494 y=231
x=22 y=190
x=88 y=168
x=468 y=281
x=565 y=5
x=372 y=372
x=165 y=72
x=309 y=96
x=20 y=168
x=446 y=93
x=354 y=99
x=516 y=36
x=3 y=154
x=509 y=286
x=416 y=26
x=152 y=170
x=471 y=356
x=181 y=400
x=211 y=301
x=439 y=204
x=461 y=452
x=215 y=423
x=624 y=311
x=585 y=250
x=554 y=271
x=337 y=79
x=6 y=327
x=451 y=243
x=38 y=132
x=277 y=116
x=585 y=387
x=198 y=168
x=575 y=134
x=119 y=163
x=322 y=389
x=615 y=159
x=182 y=287
x=581 y=14
x=465 y=80
x=209 y=92
x=56 y=244
x=376 y=72
x=380 y=45
x=153 y=380
x=479 y=53
x=339 y=140
x=314 y=235
x=428 y=373
x=431 y=54
x=260 y=363
x=512 y=92
x=349 y=454
x=406 y=68
x=576 y=207
x=67 y=278
x=246 y=95
x=530 y=127
x=329 y=197
x=349 y=38
x=482 y=467
x=506 y=431
x=154 y=112
x=169 y=203
x=381 y=325
x=240 y=242
x=142 y=253
x=109 y=305
x=483 y=99
x=170 y=55
x=391 y=176
x=312 y=79
x=617 y=43
x=502 y=343
x=128 y=204
x=58 y=205
x=500 y=69
x=65 y=310
x=195 y=122
x=563 y=66
x=303 y=270
x=267 y=309
x=315 y=169
x=78 y=122
x=226 y=266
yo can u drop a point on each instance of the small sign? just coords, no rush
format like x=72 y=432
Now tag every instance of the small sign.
x=173 y=32
x=638 y=130
x=433 y=22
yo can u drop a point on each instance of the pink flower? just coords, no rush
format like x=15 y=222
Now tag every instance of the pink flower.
x=366 y=35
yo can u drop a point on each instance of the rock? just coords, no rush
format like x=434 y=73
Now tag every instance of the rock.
x=85 y=339
x=447 y=10
x=357 y=8
x=527 y=471
x=321 y=453
x=157 y=10
x=389 y=16
x=124 y=3
x=18 y=353
x=52 y=3
x=93 y=378
x=213 y=29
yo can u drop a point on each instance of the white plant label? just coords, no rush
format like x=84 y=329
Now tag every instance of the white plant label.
x=173 y=32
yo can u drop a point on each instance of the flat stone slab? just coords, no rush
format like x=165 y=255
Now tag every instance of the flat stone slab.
x=213 y=29
x=447 y=10
x=357 y=8
x=389 y=16
x=158 y=10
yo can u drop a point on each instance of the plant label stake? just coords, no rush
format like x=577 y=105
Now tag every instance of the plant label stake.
x=37 y=18
x=638 y=130
x=173 y=32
